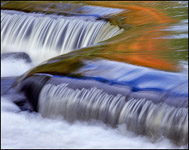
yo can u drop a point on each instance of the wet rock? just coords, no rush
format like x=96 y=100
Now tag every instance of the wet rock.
x=12 y=94
x=31 y=88
x=6 y=83
x=16 y=55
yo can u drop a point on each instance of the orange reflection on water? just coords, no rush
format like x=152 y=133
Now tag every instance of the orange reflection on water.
x=141 y=45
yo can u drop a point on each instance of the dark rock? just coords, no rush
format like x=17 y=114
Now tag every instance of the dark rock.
x=6 y=83
x=31 y=88
x=12 y=94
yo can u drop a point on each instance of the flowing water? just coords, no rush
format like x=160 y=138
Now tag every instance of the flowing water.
x=101 y=109
x=37 y=34
x=31 y=130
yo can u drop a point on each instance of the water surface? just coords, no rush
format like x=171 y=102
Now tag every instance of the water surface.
x=150 y=54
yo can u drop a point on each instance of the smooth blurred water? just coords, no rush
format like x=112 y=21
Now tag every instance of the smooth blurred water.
x=21 y=129
x=29 y=130
x=46 y=36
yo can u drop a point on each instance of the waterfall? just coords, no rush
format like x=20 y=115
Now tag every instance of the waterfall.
x=139 y=115
x=46 y=36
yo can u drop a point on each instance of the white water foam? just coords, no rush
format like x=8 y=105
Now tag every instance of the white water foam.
x=30 y=130
x=14 y=67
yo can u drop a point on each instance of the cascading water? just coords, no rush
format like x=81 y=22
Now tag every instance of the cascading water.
x=139 y=115
x=51 y=35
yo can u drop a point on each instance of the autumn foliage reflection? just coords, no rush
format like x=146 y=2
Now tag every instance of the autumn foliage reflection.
x=146 y=48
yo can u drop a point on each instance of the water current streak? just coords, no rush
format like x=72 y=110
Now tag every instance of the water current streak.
x=139 y=115
x=51 y=33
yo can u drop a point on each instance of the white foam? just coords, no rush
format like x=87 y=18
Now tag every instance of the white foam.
x=29 y=130
x=14 y=67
